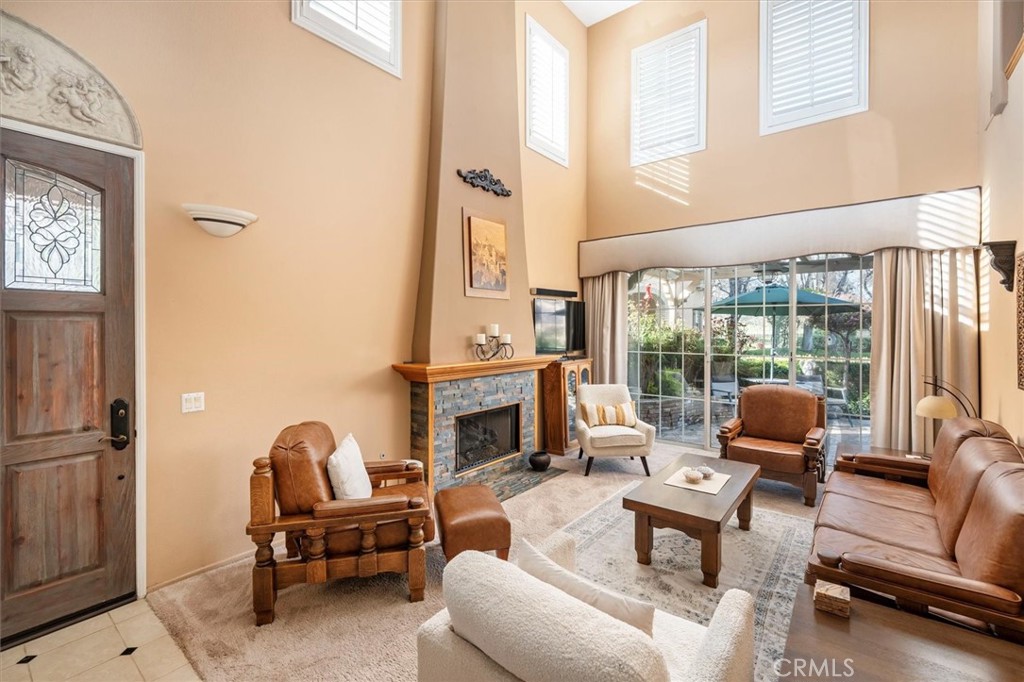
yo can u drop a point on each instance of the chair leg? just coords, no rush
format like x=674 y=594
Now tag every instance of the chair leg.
x=810 y=488
x=632 y=458
x=264 y=588
x=581 y=454
x=590 y=463
x=643 y=460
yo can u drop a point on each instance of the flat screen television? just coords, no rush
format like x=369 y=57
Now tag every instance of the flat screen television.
x=559 y=326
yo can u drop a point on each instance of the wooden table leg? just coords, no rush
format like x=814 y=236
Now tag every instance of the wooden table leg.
x=746 y=510
x=710 y=556
x=644 y=538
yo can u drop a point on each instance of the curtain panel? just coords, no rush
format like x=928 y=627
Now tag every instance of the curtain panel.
x=606 y=325
x=925 y=323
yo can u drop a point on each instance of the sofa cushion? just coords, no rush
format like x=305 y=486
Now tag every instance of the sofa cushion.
x=907 y=529
x=778 y=412
x=842 y=542
x=989 y=545
x=537 y=632
x=951 y=436
x=880 y=491
x=954 y=498
x=639 y=614
x=613 y=436
x=772 y=455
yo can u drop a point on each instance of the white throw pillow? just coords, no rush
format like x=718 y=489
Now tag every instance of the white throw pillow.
x=631 y=611
x=347 y=472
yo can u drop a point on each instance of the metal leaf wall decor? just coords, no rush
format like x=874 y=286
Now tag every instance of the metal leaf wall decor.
x=485 y=181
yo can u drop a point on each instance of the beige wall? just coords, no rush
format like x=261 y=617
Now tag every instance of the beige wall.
x=1002 y=166
x=301 y=315
x=918 y=136
x=474 y=126
x=555 y=197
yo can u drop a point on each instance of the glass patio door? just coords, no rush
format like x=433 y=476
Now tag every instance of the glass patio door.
x=699 y=336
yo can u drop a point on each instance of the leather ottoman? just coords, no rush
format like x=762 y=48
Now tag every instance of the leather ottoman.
x=470 y=517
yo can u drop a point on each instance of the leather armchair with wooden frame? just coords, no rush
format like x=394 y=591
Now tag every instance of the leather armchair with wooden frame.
x=326 y=538
x=781 y=429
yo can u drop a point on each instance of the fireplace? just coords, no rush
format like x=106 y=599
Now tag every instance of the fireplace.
x=487 y=436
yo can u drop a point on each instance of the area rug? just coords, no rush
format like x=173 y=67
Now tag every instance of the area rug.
x=365 y=629
x=767 y=561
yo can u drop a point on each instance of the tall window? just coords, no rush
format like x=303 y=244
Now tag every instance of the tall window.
x=814 y=61
x=370 y=29
x=669 y=102
x=699 y=336
x=547 y=94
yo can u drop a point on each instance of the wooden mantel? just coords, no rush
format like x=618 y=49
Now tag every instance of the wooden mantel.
x=423 y=373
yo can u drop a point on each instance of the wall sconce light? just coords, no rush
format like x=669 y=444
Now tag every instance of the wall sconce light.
x=493 y=345
x=218 y=220
x=1001 y=257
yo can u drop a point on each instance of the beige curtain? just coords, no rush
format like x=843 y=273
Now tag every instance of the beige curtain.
x=924 y=323
x=606 y=325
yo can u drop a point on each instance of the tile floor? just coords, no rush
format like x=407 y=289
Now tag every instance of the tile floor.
x=126 y=644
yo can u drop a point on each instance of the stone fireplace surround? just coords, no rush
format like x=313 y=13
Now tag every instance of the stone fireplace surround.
x=440 y=393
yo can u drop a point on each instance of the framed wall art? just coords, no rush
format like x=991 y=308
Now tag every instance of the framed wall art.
x=485 y=252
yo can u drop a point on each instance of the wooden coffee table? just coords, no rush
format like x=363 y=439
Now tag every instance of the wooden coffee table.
x=699 y=515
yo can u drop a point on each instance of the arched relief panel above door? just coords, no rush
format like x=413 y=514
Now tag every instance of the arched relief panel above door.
x=44 y=82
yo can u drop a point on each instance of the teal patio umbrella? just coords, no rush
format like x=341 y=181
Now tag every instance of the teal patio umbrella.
x=773 y=299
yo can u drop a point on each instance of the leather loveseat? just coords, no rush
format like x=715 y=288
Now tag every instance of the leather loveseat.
x=942 y=535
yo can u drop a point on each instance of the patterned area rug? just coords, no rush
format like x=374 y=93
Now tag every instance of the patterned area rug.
x=768 y=562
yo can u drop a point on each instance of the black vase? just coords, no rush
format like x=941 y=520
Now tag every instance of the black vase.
x=540 y=461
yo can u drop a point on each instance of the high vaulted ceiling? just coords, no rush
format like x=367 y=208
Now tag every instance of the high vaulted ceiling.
x=592 y=11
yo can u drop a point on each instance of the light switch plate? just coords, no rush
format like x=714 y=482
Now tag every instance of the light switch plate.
x=193 y=402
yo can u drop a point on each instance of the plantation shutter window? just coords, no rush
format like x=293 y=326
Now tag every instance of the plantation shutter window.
x=547 y=94
x=814 y=61
x=669 y=102
x=370 y=29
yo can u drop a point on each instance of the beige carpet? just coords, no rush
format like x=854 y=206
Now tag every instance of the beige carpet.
x=366 y=629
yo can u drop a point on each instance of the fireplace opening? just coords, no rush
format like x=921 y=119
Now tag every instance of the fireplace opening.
x=483 y=437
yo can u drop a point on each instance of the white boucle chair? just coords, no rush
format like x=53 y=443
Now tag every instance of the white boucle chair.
x=503 y=624
x=609 y=440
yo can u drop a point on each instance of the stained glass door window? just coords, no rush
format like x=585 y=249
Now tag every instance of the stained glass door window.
x=52 y=231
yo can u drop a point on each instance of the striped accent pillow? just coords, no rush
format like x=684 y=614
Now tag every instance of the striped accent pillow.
x=602 y=415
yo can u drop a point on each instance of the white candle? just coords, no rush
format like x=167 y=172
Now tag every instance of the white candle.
x=492 y=330
x=506 y=338
x=480 y=339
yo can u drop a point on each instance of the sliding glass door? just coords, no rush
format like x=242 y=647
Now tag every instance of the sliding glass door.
x=699 y=336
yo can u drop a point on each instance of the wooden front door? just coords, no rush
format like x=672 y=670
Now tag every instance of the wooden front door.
x=68 y=347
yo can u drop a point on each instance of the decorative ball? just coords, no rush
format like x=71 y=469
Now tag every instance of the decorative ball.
x=692 y=476
x=706 y=471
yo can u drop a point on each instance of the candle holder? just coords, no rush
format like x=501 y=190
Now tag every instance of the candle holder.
x=494 y=348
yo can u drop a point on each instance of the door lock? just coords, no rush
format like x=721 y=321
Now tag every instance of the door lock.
x=119 y=428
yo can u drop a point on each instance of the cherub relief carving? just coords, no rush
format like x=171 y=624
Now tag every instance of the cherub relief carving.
x=83 y=98
x=18 y=69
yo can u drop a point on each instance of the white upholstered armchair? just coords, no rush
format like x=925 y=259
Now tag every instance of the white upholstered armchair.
x=611 y=440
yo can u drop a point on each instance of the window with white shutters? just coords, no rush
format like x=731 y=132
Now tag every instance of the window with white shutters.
x=370 y=29
x=814 y=61
x=669 y=103
x=547 y=94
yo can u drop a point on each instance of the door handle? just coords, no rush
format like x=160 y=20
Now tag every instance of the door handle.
x=115 y=439
x=119 y=429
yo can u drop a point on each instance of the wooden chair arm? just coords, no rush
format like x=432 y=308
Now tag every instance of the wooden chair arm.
x=371 y=505
x=728 y=432
x=261 y=492
x=409 y=471
x=303 y=522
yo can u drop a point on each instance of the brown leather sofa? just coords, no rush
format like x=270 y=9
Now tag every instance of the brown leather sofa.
x=328 y=538
x=781 y=429
x=945 y=535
